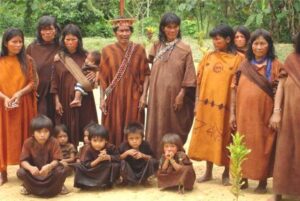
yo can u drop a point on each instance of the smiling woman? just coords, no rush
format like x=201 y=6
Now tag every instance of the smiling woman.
x=17 y=98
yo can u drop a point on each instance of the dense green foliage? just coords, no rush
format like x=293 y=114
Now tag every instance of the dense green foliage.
x=281 y=17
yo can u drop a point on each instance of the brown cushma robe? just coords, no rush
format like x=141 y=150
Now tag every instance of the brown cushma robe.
x=168 y=76
x=75 y=119
x=254 y=108
x=43 y=55
x=136 y=171
x=67 y=150
x=102 y=175
x=39 y=155
x=123 y=102
x=286 y=175
x=171 y=178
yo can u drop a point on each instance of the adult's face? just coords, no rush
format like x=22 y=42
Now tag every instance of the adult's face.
x=260 y=48
x=171 y=31
x=239 y=40
x=48 y=33
x=123 y=34
x=221 y=43
x=14 y=45
x=71 y=43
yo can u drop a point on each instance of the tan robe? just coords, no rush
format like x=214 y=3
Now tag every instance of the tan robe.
x=175 y=70
x=211 y=132
x=287 y=162
x=254 y=108
x=123 y=102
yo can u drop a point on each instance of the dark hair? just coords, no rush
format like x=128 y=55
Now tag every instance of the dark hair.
x=134 y=127
x=243 y=30
x=88 y=125
x=58 y=128
x=7 y=36
x=39 y=122
x=168 y=18
x=172 y=138
x=96 y=57
x=47 y=21
x=73 y=30
x=296 y=42
x=224 y=31
x=267 y=36
x=115 y=29
x=97 y=130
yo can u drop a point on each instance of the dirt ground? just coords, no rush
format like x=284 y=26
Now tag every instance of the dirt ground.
x=209 y=191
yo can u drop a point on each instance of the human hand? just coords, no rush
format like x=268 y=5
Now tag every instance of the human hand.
x=59 y=108
x=34 y=171
x=131 y=152
x=138 y=155
x=15 y=100
x=232 y=122
x=103 y=106
x=91 y=76
x=45 y=170
x=275 y=120
x=178 y=102
x=143 y=102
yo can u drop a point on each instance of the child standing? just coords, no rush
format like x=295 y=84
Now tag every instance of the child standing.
x=100 y=165
x=68 y=149
x=137 y=156
x=40 y=170
x=175 y=169
x=91 y=63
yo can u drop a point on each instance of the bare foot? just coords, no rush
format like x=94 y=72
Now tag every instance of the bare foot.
x=261 y=188
x=75 y=103
x=180 y=189
x=275 y=198
x=225 y=181
x=225 y=177
x=244 y=183
x=64 y=190
x=204 y=178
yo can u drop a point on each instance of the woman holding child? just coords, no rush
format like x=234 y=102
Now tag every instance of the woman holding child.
x=66 y=73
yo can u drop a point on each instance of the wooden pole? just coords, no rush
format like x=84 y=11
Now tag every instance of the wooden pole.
x=122 y=6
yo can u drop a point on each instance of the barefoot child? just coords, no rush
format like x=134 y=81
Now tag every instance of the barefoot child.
x=68 y=149
x=175 y=169
x=91 y=63
x=100 y=164
x=137 y=157
x=40 y=171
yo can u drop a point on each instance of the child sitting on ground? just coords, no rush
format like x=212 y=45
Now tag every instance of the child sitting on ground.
x=100 y=165
x=40 y=170
x=68 y=149
x=176 y=169
x=86 y=142
x=137 y=159
x=91 y=63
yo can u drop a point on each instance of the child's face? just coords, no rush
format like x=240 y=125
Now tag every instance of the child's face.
x=170 y=148
x=134 y=140
x=62 y=138
x=98 y=143
x=89 y=60
x=86 y=137
x=221 y=43
x=42 y=135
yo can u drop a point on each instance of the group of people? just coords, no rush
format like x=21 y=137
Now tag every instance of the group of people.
x=239 y=86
